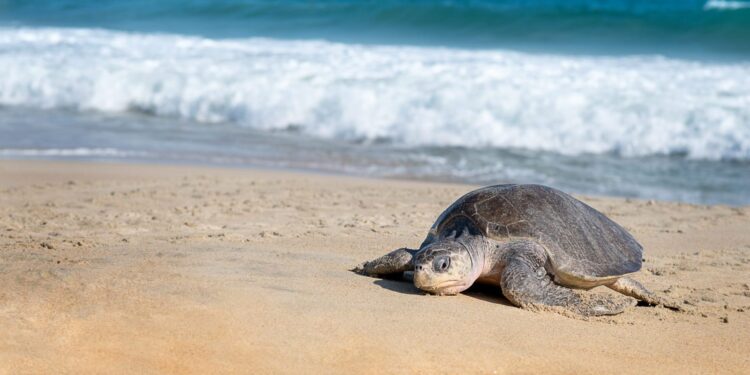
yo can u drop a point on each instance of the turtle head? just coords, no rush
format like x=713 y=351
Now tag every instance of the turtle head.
x=446 y=267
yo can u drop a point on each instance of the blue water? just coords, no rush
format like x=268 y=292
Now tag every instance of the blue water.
x=686 y=27
x=646 y=99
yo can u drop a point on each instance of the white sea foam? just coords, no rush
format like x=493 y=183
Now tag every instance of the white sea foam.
x=725 y=5
x=410 y=95
x=69 y=152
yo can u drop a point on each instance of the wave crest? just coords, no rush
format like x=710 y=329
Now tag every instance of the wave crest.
x=725 y=5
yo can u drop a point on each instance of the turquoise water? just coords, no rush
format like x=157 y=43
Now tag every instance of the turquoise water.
x=646 y=99
x=687 y=27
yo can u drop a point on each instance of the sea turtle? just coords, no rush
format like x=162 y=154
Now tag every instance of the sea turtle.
x=535 y=242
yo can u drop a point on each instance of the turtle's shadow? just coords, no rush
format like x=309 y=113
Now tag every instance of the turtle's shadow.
x=398 y=285
x=487 y=293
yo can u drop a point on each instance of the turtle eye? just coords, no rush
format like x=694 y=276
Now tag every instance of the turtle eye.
x=441 y=264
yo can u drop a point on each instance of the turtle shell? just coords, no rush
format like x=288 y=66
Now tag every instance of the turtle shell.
x=582 y=244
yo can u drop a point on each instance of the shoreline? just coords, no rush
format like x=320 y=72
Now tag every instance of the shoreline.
x=121 y=267
x=42 y=166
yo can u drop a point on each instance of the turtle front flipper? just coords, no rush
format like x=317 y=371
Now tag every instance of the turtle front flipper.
x=526 y=283
x=397 y=261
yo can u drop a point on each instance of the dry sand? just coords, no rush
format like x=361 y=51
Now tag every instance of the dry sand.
x=153 y=269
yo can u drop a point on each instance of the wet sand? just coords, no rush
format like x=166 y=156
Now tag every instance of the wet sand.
x=117 y=268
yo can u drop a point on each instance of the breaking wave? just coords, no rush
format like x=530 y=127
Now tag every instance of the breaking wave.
x=411 y=96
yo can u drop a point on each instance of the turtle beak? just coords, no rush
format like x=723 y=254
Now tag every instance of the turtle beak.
x=420 y=277
x=423 y=281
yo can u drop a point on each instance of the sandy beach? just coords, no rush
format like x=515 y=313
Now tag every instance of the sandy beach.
x=120 y=268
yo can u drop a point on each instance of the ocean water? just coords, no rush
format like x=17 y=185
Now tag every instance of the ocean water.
x=647 y=99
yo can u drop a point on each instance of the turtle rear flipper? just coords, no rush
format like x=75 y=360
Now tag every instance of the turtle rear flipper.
x=633 y=288
x=526 y=283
